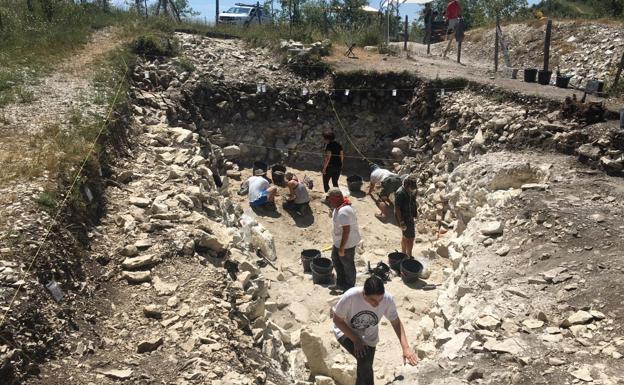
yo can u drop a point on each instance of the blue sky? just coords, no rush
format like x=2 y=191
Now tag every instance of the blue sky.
x=206 y=8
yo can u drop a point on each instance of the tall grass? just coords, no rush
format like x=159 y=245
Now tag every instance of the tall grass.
x=33 y=41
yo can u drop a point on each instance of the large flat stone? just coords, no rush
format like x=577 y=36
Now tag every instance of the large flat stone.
x=139 y=262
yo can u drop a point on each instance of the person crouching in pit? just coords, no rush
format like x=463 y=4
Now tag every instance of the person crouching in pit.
x=261 y=193
x=356 y=318
x=298 y=198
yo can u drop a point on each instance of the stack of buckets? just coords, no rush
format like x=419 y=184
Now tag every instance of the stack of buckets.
x=321 y=268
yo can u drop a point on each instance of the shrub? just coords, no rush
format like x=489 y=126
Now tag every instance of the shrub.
x=154 y=45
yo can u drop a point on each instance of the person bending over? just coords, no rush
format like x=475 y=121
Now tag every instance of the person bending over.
x=356 y=319
x=260 y=192
x=389 y=183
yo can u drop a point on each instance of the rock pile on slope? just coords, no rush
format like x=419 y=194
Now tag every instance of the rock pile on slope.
x=582 y=50
x=469 y=124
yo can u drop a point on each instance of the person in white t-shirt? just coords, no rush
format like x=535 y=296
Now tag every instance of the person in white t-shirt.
x=356 y=319
x=389 y=182
x=260 y=190
x=346 y=235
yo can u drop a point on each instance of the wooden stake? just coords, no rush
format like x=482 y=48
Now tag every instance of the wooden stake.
x=619 y=71
x=496 y=45
x=406 y=35
x=547 y=45
x=428 y=36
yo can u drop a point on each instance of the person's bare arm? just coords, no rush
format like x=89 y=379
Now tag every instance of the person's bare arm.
x=344 y=240
x=358 y=344
x=408 y=353
x=371 y=188
x=292 y=195
x=342 y=157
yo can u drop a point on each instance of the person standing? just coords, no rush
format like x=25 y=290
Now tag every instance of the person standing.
x=332 y=161
x=389 y=182
x=356 y=319
x=405 y=210
x=346 y=235
x=451 y=16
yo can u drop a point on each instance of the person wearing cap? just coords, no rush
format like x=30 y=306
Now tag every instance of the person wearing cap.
x=405 y=208
x=356 y=319
x=298 y=198
x=346 y=235
x=333 y=160
x=260 y=192
x=389 y=182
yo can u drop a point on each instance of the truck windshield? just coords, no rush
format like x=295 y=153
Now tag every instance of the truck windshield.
x=238 y=10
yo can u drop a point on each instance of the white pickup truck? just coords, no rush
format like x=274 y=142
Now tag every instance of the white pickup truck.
x=245 y=15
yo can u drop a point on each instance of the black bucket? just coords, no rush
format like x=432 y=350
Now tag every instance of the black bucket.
x=543 y=77
x=354 y=182
x=277 y=174
x=322 y=270
x=307 y=256
x=260 y=166
x=410 y=270
x=562 y=81
x=530 y=75
x=394 y=260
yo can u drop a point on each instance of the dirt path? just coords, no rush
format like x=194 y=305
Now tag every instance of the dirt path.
x=303 y=304
x=57 y=99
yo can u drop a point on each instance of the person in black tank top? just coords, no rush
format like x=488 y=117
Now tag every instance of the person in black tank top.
x=332 y=161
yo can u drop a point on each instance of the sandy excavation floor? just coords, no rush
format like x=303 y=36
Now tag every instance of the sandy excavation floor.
x=304 y=304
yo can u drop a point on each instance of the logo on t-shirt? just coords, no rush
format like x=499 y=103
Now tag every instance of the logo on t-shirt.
x=364 y=320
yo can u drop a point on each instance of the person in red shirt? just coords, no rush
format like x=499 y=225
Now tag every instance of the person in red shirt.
x=452 y=15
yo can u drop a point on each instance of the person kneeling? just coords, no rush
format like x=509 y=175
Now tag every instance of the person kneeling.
x=356 y=318
x=298 y=198
x=260 y=192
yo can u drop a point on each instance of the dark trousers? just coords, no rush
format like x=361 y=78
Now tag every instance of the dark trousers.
x=345 y=267
x=365 y=374
x=334 y=175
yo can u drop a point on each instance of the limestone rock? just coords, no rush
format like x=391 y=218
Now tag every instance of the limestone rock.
x=231 y=152
x=583 y=374
x=117 y=374
x=137 y=276
x=140 y=202
x=492 y=228
x=149 y=345
x=315 y=353
x=323 y=380
x=138 y=262
x=164 y=288
x=487 y=322
x=152 y=311
x=509 y=346
x=578 y=318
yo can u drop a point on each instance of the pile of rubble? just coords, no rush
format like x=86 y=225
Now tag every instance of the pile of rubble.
x=469 y=124
x=582 y=50
x=509 y=312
